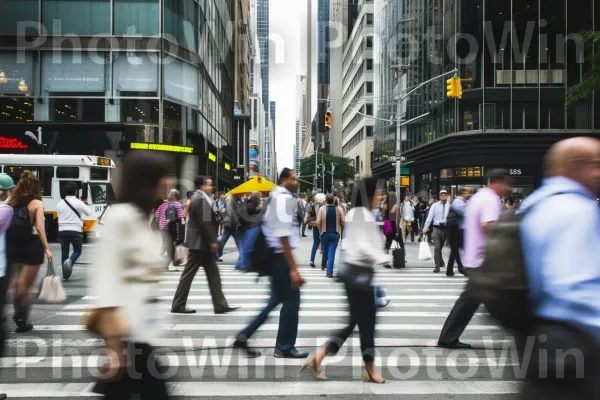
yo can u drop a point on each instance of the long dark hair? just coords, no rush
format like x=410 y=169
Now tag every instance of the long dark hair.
x=28 y=188
x=142 y=173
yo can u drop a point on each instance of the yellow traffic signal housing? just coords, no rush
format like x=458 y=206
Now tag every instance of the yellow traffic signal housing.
x=454 y=88
x=450 y=88
x=328 y=120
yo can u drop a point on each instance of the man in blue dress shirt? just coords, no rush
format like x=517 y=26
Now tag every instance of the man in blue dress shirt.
x=561 y=240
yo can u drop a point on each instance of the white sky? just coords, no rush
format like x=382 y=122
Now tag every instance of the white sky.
x=287 y=20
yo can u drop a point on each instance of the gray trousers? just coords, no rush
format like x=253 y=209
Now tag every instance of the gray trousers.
x=439 y=237
x=207 y=260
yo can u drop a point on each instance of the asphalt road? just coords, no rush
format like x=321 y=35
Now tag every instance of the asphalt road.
x=58 y=358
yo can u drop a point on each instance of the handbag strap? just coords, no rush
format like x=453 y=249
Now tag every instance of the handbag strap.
x=71 y=207
x=50 y=269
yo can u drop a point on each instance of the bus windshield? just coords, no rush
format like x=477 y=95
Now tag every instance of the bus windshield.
x=102 y=193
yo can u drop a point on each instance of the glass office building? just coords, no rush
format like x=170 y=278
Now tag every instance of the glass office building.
x=97 y=75
x=262 y=24
x=516 y=61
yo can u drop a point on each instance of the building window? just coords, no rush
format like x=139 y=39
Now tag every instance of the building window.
x=84 y=17
x=139 y=111
x=135 y=75
x=181 y=22
x=15 y=11
x=369 y=42
x=369 y=64
x=369 y=131
x=369 y=87
x=16 y=109
x=369 y=109
x=136 y=17
x=76 y=110
x=369 y=19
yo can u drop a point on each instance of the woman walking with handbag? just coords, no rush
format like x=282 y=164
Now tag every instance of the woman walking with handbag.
x=363 y=249
x=125 y=281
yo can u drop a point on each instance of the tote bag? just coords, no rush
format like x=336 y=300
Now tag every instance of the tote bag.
x=424 y=250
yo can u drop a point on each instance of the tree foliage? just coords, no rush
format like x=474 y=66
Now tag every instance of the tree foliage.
x=344 y=172
x=591 y=80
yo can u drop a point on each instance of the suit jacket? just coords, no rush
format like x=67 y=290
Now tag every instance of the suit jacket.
x=202 y=225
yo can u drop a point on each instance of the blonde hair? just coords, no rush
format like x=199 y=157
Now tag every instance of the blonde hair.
x=173 y=195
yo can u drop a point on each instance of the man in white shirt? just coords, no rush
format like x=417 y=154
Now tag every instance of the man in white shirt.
x=70 y=227
x=437 y=218
x=282 y=234
x=408 y=216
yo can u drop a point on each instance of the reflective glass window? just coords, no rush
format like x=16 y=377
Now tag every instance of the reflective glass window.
x=181 y=22
x=15 y=11
x=136 y=17
x=82 y=17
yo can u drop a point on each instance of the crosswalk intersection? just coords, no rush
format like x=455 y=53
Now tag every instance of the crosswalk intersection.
x=60 y=359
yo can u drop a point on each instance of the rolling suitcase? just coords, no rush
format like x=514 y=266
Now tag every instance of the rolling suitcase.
x=399 y=259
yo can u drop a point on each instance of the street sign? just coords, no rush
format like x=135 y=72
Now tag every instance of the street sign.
x=398 y=152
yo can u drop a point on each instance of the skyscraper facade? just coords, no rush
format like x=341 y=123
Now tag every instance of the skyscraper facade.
x=262 y=23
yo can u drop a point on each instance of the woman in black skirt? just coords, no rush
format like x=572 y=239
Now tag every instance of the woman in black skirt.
x=26 y=253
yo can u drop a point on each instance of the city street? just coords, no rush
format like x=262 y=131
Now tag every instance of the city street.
x=59 y=358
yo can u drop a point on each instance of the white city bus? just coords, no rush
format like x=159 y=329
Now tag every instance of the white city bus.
x=91 y=173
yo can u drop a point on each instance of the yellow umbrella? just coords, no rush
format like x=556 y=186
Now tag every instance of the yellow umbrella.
x=256 y=184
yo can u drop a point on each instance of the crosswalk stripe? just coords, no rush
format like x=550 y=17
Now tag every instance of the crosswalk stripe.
x=402 y=359
x=169 y=276
x=251 y=389
x=306 y=290
x=304 y=297
x=252 y=313
x=275 y=327
x=303 y=306
x=211 y=342
x=382 y=282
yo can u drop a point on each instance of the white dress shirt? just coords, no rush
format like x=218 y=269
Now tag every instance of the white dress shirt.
x=280 y=219
x=67 y=219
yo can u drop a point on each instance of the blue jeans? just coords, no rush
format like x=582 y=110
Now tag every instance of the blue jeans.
x=316 y=241
x=281 y=293
x=227 y=233
x=329 y=242
x=379 y=293
x=68 y=238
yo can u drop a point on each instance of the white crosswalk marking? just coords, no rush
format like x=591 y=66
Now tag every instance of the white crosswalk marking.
x=58 y=358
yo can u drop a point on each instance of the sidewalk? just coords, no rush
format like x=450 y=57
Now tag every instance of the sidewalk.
x=302 y=254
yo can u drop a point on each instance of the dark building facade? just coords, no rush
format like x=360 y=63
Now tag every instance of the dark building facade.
x=97 y=75
x=516 y=61
x=262 y=24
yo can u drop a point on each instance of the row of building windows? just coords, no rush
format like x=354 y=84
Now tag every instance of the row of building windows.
x=358 y=119
x=366 y=132
x=366 y=90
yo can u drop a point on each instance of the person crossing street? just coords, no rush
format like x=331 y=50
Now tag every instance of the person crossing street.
x=437 y=217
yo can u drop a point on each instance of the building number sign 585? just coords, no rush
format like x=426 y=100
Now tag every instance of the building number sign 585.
x=514 y=172
x=99 y=209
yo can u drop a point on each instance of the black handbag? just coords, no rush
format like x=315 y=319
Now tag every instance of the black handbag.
x=355 y=276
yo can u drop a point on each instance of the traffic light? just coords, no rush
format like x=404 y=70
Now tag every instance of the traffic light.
x=454 y=88
x=328 y=120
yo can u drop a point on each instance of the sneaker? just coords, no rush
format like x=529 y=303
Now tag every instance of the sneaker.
x=67 y=269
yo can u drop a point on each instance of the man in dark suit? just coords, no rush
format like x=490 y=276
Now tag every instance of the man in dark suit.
x=201 y=240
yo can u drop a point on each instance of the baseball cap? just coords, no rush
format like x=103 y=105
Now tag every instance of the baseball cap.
x=443 y=192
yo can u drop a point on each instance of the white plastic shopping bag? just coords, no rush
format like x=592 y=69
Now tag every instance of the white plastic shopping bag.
x=424 y=250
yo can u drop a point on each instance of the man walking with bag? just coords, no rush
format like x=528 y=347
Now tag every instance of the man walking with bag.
x=70 y=226
x=437 y=217
x=483 y=210
x=281 y=230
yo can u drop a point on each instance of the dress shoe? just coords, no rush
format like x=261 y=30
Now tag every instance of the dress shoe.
x=251 y=353
x=329 y=276
x=312 y=265
x=219 y=259
x=449 y=273
x=384 y=304
x=436 y=270
x=291 y=353
x=183 y=310
x=462 y=271
x=226 y=310
x=388 y=266
x=22 y=328
x=457 y=345
x=304 y=236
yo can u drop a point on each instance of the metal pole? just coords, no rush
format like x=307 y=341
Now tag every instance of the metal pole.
x=316 y=182
x=332 y=169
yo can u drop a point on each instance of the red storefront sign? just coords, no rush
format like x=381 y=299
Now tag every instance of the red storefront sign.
x=12 y=143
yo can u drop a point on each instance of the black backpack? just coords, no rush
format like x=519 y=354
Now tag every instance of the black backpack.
x=171 y=213
x=453 y=219
x=20 y=227
x=501 y=282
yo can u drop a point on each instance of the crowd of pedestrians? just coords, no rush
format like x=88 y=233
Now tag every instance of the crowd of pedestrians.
x=372 y=228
